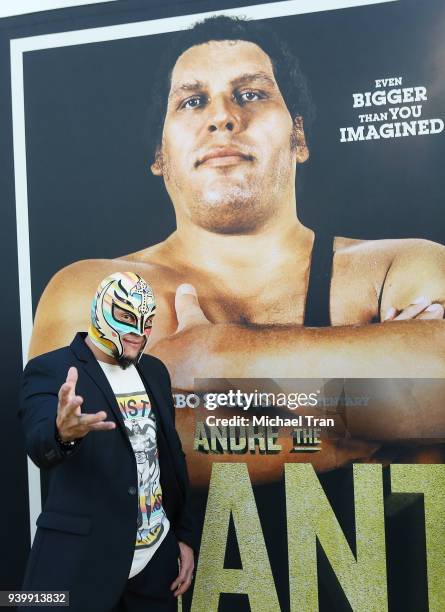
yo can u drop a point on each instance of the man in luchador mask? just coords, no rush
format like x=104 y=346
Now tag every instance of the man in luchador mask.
x=90 y=411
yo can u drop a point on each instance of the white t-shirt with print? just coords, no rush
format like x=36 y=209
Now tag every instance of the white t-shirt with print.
x=140 y=424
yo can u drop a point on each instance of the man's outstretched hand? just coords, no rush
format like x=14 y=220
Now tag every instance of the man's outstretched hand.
x=71 y=422
x=186 y=565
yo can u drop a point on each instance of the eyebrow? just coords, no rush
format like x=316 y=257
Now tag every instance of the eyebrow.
x=250 y=77
x=187 y=87
x=243 y=79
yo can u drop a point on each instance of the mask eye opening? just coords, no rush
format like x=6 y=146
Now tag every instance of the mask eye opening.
x=133 y=323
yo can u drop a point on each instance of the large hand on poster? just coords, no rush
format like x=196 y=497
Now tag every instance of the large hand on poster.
x=186 y=351
x=71 y=423
x=421 y=308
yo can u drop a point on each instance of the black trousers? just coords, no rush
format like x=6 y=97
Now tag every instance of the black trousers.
x=149 y=591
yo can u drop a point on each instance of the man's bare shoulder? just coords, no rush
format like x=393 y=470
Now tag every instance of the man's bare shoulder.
x=380 y=255
x=386 y=247
x=64 y=307
x=87 y=274
x=369 y=273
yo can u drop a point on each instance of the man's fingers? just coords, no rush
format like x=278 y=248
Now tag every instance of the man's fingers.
x=64 y=392
x=88 y=420
x=78 y=425
x=72 y=376
x=71 y=380
x=179 y=580
x=69 y=386
x=421 y=308
x=72 y=406
x=102 y=426
x=413 y=309
x=182 y=588
x=182 y=583
x=390 y=314
x=96 y=422
x=185 y=577
x=188 y=310
x=435 y=311
x=174 y=585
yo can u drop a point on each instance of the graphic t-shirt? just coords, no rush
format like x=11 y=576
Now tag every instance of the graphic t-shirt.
x=140 y=423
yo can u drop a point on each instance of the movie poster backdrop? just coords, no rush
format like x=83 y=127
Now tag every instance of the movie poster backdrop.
x=282 y=528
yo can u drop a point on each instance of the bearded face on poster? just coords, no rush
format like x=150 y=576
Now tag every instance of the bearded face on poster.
x=244 y=289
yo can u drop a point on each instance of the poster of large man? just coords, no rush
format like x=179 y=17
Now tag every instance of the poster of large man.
x=275 y=173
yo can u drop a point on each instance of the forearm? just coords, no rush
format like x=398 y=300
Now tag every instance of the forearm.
x=405 y=349
x=395 y=350
x=396 y=410
x=400 y=349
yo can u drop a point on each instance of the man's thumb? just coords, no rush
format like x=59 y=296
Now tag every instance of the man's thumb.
x=188 y=310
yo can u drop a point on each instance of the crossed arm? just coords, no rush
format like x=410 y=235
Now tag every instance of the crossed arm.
x=409 y=349
x=409 y=342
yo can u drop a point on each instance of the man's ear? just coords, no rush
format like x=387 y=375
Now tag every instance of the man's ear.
x=158 y=165
x=300 y=140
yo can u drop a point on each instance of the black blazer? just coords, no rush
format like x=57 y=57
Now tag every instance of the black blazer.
x=86 y=532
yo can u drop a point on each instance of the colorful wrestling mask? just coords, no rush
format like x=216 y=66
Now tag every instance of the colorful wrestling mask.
x=127 y=296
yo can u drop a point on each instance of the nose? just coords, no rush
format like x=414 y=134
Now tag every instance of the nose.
x=223 y=115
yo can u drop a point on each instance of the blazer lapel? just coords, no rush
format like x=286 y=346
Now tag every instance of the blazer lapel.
x=92 y=368
x=168 y=453
x=162 y=415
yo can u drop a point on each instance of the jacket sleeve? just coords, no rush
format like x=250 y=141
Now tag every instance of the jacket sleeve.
x=37 y=413
x=185 y=529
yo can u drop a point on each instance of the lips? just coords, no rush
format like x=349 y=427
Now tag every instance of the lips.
x=132 y=342
x=224 y=155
